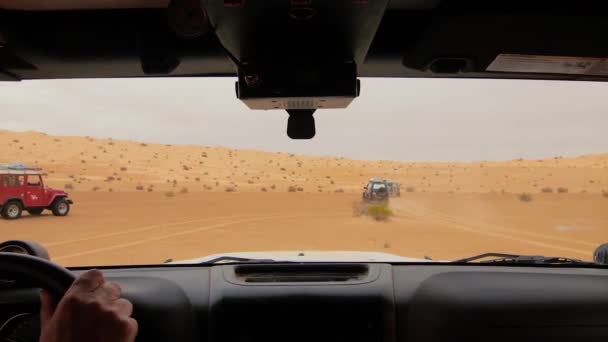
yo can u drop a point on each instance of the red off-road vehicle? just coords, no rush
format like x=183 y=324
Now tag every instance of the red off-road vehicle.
x=21 y=188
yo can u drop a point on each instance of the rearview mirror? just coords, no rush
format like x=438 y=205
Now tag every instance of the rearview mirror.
x=600 y=255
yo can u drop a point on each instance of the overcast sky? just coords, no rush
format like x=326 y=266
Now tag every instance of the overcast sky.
x=401 y=119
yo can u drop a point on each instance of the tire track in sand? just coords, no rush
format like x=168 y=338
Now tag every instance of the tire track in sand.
x=144 y=229
x=481 y=228
x=184 y=232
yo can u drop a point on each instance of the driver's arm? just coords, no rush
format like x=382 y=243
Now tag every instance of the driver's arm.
x=91 y=310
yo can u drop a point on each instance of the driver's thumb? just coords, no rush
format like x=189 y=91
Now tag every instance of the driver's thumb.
x=47 y=307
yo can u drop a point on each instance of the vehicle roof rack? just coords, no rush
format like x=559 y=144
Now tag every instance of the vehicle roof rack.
x=18 y=168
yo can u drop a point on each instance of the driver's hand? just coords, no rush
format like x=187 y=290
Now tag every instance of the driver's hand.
x=91 y=310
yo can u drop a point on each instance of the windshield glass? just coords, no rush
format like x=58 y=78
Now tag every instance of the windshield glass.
x=377 y=186
x=141 y=171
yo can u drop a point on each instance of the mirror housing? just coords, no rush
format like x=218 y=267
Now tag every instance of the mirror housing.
x=600 y=255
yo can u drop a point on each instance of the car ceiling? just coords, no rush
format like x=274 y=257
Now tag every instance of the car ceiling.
x=416 y=38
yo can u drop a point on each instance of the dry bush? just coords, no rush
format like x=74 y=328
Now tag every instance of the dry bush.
x=109 y=179
x=170 y=194
x=340 y=190
x=68 y=186
x=123 y=169
x=183 y=190
x=230 y=189
x=562 y=190
x=139 y=187
x=524 y=197
x=110 y=190
x=150 y=189
x=291 y=188
x=198 y=179
x=300 y=189
x=410 y=189
x=263 y=189
x=273 y=186
x=250 y=181
x=547 y=190
x=605 y=193
x=95 y=188
x=379 y=211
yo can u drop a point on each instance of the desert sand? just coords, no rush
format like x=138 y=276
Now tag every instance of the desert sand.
x=140 y=203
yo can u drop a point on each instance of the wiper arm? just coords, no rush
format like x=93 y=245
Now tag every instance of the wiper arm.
x=501 y=258
x=229 y=259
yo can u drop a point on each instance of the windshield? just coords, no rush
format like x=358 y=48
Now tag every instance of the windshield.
x=377 y=186
x=141 y=171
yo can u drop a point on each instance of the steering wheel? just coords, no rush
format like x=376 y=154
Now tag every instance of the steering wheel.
x=37 y=272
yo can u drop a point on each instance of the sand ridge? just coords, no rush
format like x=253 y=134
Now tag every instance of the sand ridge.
x=141 y=203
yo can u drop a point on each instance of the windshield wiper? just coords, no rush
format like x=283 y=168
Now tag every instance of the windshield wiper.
x=500 y=258
x=232 y=259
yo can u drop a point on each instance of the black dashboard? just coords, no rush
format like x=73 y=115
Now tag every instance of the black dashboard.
x=355 y=302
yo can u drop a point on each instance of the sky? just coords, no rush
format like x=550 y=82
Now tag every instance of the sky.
x=393 y=119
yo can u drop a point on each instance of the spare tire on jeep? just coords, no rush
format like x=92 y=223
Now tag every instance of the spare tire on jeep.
x=60 y=207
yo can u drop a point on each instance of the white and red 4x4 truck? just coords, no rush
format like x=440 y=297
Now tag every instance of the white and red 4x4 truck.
x=22 y=188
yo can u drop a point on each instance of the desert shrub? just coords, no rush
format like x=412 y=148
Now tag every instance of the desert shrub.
x=264 y=189
x=339 y=190
x=110 y=190
x=273 y=186
x=250 y=181
x=110 y=178
x=150 y=189
x=123 y=168
x=291 y=188
x=198 y=179
x=547 y=190
x=524 y=197
x=169 y=194
x=379 y=211
x=139 y=187
x=183 y=190
x=562 y=190
x=300 y=189
x=230 y=189
x=68 y=186
x=95 y=188
x=605 y=193
x=409 y=189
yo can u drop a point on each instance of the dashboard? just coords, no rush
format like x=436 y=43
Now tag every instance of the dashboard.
x=347 y=302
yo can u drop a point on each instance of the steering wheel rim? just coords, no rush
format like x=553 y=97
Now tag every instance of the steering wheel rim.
x=38 y=272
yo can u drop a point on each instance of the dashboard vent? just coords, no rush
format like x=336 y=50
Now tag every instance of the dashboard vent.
x=301 y=273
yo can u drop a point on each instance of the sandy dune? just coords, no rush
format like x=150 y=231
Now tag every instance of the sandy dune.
x=144 y=203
